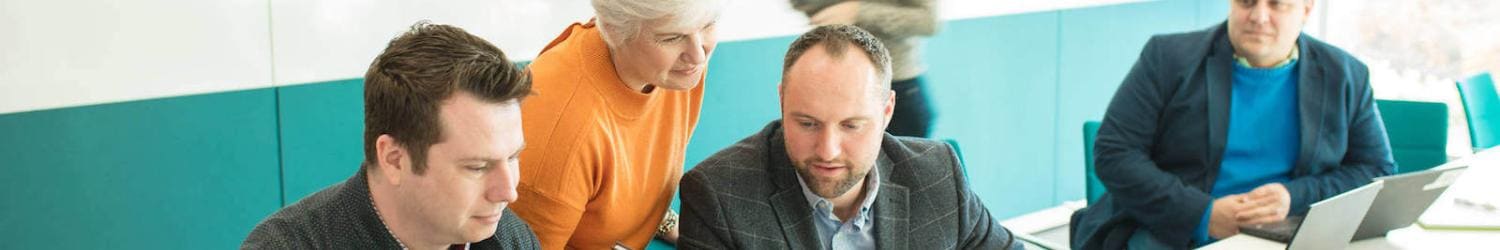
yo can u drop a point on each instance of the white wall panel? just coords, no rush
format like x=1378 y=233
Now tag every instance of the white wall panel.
x=68 y=53
x=960 y=9
x=336 y=39
x=77 y=52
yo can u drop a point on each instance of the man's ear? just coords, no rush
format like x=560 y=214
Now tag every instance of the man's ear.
x=1308 y=9
x=781 y=96
x=390 y=159
x=890 y=106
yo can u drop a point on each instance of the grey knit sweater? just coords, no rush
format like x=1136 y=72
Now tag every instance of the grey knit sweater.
x=342 y=217
x=900 y=24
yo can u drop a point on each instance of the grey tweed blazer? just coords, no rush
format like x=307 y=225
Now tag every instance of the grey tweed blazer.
x=747 y=197
x=341 y=217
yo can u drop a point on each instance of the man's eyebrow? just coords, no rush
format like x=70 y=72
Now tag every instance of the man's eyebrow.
x=801 y=115
x=859 y=119
x=492 y=159
x=478 y=158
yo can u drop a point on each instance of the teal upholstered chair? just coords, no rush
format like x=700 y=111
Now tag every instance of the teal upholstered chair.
x=1418 y=132
x=1482 y=108
x=1093 y=188
x=962 y=165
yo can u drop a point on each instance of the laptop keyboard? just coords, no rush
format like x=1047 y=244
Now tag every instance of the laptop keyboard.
x=1281 y=231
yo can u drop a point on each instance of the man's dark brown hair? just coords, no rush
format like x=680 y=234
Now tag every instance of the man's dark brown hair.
x=421 y=68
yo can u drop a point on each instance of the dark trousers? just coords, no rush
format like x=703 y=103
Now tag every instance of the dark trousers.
x=913 y=114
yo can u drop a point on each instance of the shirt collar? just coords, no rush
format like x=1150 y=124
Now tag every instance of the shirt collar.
x=872 y=188
x=1296 y=54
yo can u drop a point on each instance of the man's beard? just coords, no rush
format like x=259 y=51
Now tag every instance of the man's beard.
x=835 y=188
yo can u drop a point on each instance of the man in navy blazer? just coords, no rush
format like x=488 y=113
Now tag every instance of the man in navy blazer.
x=1242 y=123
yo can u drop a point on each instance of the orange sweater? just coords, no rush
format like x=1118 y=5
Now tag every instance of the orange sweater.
x=602 y=160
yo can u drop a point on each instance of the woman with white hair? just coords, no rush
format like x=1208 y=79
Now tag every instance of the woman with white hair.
x=615 y=102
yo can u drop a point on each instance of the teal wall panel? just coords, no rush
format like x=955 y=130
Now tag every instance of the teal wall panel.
x=1212 y=13
x=992 y=82
x=322 y=135
x=739 y=97
x=740 y=94
x=185 y=172
x=1099 y=45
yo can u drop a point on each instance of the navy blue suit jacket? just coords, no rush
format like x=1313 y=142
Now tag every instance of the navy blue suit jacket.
x=1159 y=148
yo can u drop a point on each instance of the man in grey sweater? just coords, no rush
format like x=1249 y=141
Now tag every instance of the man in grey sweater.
x=442 y=136
x=901 y=25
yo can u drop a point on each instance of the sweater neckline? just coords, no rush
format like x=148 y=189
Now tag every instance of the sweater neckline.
x=594 y=54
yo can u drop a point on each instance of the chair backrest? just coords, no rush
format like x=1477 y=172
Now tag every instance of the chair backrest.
x=1093 y=188
x=1418 y=132
x=1482 y=108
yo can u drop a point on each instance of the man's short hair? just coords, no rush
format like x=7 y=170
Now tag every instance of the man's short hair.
x=421 y=68
x=834 y=39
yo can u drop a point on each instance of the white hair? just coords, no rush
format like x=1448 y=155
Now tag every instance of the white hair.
x=621 y=20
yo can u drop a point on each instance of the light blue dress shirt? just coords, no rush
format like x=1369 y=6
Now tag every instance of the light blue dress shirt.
x=859 y=231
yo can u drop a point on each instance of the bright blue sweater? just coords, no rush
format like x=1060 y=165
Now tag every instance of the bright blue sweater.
x=1263 y=133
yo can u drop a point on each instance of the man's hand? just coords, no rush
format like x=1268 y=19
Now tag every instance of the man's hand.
x=1266 y=204
x=1222 y=221
x=841 y=13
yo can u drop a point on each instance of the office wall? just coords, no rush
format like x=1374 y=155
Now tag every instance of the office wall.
x=175 y=173
x=171 y=158
x=70 y=53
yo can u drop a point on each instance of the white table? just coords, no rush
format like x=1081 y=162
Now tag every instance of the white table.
x=1482 y=177
x=1044 y=229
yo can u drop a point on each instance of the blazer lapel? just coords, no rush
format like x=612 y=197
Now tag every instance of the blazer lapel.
x=1218 y=67
x=793 y=214
x=790 y=206
x=1311 y=92
x=892 y=225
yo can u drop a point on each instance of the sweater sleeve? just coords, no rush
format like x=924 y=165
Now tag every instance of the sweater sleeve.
x=811 y=7
x=898 y=20
x=553 y=201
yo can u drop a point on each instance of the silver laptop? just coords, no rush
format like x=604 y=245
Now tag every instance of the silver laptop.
x=1404 y=198
x=1326 y=224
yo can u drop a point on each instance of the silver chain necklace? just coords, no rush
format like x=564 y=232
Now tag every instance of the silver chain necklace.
x=382 y=223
